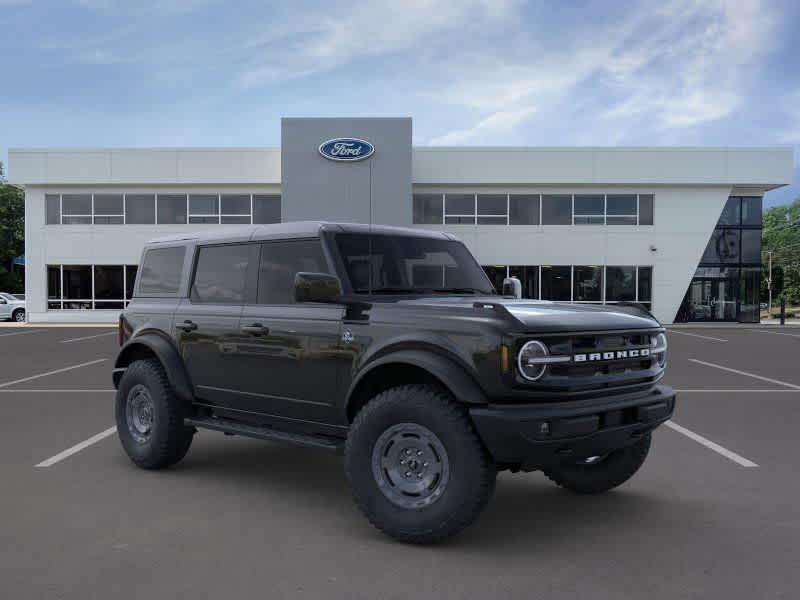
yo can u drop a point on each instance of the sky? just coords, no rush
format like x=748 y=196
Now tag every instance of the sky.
x=108 y=73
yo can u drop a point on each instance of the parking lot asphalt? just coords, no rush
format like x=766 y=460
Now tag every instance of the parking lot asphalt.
x=712 y=514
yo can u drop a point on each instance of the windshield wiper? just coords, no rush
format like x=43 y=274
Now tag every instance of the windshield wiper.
x=391 y=290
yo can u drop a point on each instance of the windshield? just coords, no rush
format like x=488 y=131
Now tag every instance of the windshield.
x=385 y=264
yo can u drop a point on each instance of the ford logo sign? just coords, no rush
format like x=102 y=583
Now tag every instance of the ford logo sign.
x=346 y=149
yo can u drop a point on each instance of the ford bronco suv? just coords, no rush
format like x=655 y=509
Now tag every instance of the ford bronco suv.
x=391 y=346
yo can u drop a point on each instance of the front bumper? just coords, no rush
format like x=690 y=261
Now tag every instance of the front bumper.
x=535 y=436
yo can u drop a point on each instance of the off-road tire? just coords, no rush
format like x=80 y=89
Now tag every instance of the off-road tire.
x=18 y=315
x=169 y=439
x=610 y=472
x=472 y=472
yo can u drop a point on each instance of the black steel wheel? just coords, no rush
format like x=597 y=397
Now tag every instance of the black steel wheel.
x=150 y=417
x=416 y=467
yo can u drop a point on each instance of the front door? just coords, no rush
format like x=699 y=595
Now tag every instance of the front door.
x=289 y=363
x=711 y=300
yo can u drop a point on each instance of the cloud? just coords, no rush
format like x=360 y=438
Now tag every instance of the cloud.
x=496 y=122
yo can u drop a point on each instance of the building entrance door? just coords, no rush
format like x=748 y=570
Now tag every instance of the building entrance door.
x=711 y=300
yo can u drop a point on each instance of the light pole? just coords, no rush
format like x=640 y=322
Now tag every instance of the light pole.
x=769 y=286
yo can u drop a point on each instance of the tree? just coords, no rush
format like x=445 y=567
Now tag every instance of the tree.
x=12 y=235
x=781 y=235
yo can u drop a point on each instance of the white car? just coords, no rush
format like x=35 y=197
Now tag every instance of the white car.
x=12 y=308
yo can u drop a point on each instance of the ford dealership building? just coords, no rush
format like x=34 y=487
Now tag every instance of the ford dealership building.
x=677 y=229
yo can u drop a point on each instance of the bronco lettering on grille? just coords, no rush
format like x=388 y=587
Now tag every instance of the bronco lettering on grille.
x=615 y=355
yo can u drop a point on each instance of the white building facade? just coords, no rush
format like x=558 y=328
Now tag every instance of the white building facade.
x=676 y=229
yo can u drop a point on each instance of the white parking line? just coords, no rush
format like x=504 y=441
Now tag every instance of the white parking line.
x=88 y=337
x=794 y=335
x=22 y=332
x=697 y=335
x=24 y=379
x=77 y=448
x=753 y=375
x=739 y=460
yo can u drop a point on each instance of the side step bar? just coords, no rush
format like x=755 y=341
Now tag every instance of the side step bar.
x=266 y=433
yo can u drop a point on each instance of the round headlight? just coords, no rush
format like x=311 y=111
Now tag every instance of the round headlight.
x=658 y=347
x=530 y=360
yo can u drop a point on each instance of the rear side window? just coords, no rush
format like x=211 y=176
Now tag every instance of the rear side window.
x=220 y=274
x=161 y=271
x=280 y=262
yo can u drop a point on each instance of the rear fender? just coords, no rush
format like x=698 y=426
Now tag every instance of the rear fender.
x=148 y=344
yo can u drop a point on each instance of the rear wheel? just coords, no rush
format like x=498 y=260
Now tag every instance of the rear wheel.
x=18 y=315
x=150 y=417
x=596 y=474
x=416 y=466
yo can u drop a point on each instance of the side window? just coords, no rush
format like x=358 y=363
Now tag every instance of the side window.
x=220 y=274
x=280 y=262
x=161 y=271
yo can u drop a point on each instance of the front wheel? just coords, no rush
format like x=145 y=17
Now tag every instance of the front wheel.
x=416 y=466
x=19 y=315
x=596 y=474
x=150 y=417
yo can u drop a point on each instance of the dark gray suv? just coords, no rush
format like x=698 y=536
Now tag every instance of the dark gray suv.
x=390 y=346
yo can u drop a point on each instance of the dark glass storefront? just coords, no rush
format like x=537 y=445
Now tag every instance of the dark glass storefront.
x=726 y=284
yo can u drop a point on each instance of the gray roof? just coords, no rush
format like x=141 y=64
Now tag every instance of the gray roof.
x=295 y=229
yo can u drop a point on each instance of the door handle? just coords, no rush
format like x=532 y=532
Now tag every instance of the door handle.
x=187 y=325
x=255 y=329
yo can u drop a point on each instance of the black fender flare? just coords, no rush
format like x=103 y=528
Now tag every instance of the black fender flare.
x=451 y=374
x=166 y=353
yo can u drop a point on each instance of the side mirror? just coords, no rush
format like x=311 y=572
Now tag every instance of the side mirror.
x=512 y=287
x=316 y=287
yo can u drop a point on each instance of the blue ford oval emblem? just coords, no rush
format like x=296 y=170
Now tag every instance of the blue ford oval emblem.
x=346 y=149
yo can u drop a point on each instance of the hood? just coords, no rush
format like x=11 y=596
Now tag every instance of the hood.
x=553 y=317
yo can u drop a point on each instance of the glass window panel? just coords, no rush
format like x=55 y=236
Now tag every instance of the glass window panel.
x=106 y=305
x=161 y=271
x=646 y=209
x=587 y=284
x=280 y=262
x=730 y=214
x=496 y=274
x=171 y=208
x=53 y=281
x=78 y=282
x=621 y=220
x=459 y=204
x=236 y=204
x=583 y=220
x=266 y=208
x=523 y=209
x=750 y=294
x=203 y=219
x=130 y=279
x=751 y=245
x=76 y=204
x=723 y=247
x=108 y=220
x=220 y=274
x=528 y=275
x=645 y=290
x=53 y=209
x=620 y=284
x=54 y=306
x=140 y=209
x=491 y=220
x=203 y=204
x=108 y=283
x=108 y=204
x=67 y=220
x=556 y=283
x=751 y=211
x=556 y=210
x=427 y=209
x=621 y=204
x=234 y=220
x=459 y=220
x=492 y=204
x=589 y=204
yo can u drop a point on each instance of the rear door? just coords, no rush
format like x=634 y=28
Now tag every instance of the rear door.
x=289 y=362
x=207 y=322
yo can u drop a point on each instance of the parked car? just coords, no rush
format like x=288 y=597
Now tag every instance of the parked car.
x=12 y=308
x=390 y=346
